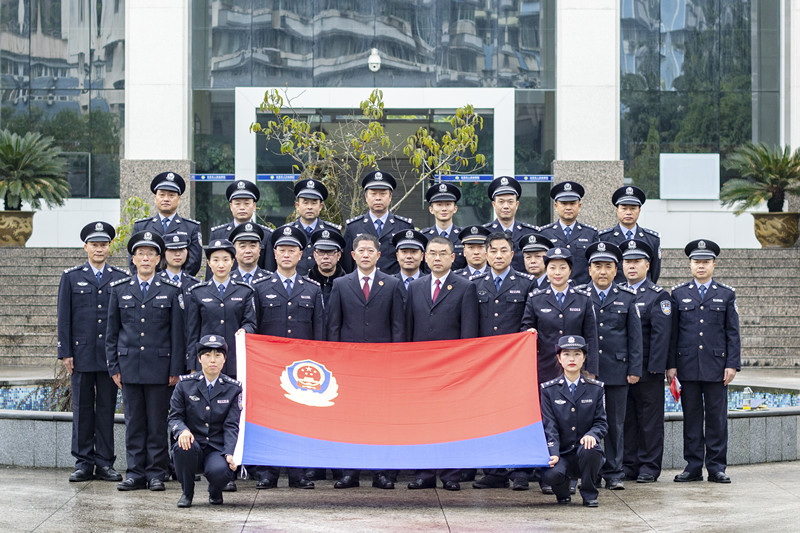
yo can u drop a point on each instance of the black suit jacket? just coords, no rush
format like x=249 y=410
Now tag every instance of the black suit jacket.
x=454 y=315
x=379 y=319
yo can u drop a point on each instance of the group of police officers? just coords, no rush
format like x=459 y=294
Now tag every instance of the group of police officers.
x=591 y=296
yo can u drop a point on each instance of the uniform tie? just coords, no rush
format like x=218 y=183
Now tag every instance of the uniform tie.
x=568 y=232
x=560 y=298
x=436 y=290
x=144 y=288
x=210 y=388
x=497 y=282
x=379 y=226
x=365 y=288
x=407 y=281
x=176 y=278
x=443 y=234
x=247 y=277
x=629 y=235
x=702 y=289
x=309 y=230
x=288 y=284
x=571 y=388
x=99 y=276
x=164 y=224
x=221 y=288
x=602 y=296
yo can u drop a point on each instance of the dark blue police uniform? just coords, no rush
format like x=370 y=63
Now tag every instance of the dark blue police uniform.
x=516 y=232
x=307 y=262
x=616 y=236
x=387 y=263
x=258 y=274
x=581 y=237
x=266 y=258
x=454 y=237
x=183 y=226
x=501 y=311
x=300 y=315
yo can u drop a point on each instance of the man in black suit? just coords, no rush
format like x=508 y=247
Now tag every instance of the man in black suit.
x=441 y=306
x=378 y=221
x=366 y=306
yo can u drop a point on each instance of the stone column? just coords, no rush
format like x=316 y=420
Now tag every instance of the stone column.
x=136 y=175
x=600 y=179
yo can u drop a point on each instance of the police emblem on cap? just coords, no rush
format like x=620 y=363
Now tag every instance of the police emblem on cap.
x=170 y=177
x=631 y=245
x=240 y=185
x=474 y=230
x=248 y=227
x=326 y=234
x=310 y=184
x=442 y=188
x=287 y=230
x=601 y=247
x=409 y=234
x=212 y=338
x=378 y=176
x=148 y=236
x=557 y=251
x=217 y=243
x=629 y=191
x=98 y=226
x=567 y=186
x=571 y=339
x=701 y=245
x=503 y=181
x=531 y=239
x=175 y=238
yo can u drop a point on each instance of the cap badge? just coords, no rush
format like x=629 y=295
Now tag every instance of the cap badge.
x=212 y=338
x=567 y=186
x=248 y=227
x=557 y=251
x=503 y=181
x=631 y=244
x=309 y=184
x=287 y=230
x=571 y=339
x=218 y=243
x=443 y=188
x=474 y=230
x=240 y=185
x=629 y=191
x=409 y=234
x=378 y=176
x=148 y=236
x=701 y=245
x=326 y=234
x=170 y=177
x=175 y=238
x=98 y=226
x=601 y=247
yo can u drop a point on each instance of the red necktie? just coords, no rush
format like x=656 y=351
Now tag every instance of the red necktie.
x=366 y=288
x=436 y=290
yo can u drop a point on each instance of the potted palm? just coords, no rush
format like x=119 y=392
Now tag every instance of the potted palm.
x=767 y=175
x=31 y=171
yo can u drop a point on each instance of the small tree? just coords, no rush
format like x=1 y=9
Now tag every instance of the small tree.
x=134 y=209
x=32 y=171
x=767 y=174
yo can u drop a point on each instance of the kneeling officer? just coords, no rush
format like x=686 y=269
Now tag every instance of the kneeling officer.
x=204 y=418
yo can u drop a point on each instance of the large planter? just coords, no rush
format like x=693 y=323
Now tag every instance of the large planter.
x=16 y=227
x=776 y=230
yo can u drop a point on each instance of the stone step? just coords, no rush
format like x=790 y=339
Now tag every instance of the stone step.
x=28 y=329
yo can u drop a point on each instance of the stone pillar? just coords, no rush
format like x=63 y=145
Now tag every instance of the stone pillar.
x=600 y=179
x=136 y=175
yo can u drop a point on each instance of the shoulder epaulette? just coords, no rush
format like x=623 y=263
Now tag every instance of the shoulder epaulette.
x=259 y=280
x=201 y=284
x=191 y=220
x=404 y=219
x=723 y=285
x=489 y=224
x=548 y=226
x=215 y=228
x=192 y=277
x=529 y=226
x=525 y=275
x=475 y=277
x=145 y=219
x=120 y=281
x=656 y=288
x=604 y=231
x=679 y=285
x=167 y=281
x=626 y=288
x=584 y=292
x=550 y=383
x=186 y=377
x=587 y=226
x=651 y=232
x=120 y=270
x=240 y=283
x=537 y=292
x=337 y=226
x=76 y=267
x=309 y=280
x=359 y=217
x=584 y=287
x=593 y=381
x=228 y=379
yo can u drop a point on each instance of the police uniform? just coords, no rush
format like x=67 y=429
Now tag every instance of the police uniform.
x=414 y=240
x=567 y=418
x=552 y=321
x=705 y=341
x=209 y=313
x=536 y=242
x=454 y=315
x=310 y=188
x=145 y=345
x=266 y=261
x=299 y=316
x=387 y=262
x=248 y=232
x=330 y=240
x=619 y=333
x=580 y=236
x=509 y=185
x=172 y=181
x=213 y=419
x=176 y=241
x=472 y=235
x=618 y=234
x=644 y=417
x=82 y=315
x=446 y=192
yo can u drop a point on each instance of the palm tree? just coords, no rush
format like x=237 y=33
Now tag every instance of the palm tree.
x=767 y=174
x=31 y=170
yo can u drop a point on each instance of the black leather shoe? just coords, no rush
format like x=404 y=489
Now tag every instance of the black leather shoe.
x=422 y=484
x=80 y=475
x=266 y=483
x=615 y=484
x=490 y=482
x=314 y=474
x=215 y=498
x=383 y=482
x=645 y=478
x=546 y=489
x=155 y=484
x=719 y=477
x=131 y=484
x=573 y=485
x=685 y=477
x=563 y=501
x=520 y=484
x=230 y=486
x=301 y=484
x=347 y=482
x=185 y=501
x=451 y=485
x=590 y=503
x=107 y=473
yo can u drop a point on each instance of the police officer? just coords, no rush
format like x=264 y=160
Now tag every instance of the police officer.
x=644 y=417
x=378 y=187
x=629 y=201
x=366 y=306
x=328 y=245
x=204 y=421
x=288 y=305
x=619 y=332
x=567 y=232
x=440 y=306
x=501 y=304
x=145 y=351
x=474 y=240
x=168 y=188
x=504 y=192
x=310 y=195
x=442 y=201
x=176 y=252
x=705 y=356
x=410 y=245
x=533 y=247
x=574 y=424
x=560 y=308
x=83 y=295
x=246 y=239
x=243 y=198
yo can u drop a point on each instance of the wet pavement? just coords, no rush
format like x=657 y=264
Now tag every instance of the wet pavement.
x=763 y=497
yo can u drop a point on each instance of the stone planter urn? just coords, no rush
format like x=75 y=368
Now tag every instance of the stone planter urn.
x=776 y=230
x=16 y=227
